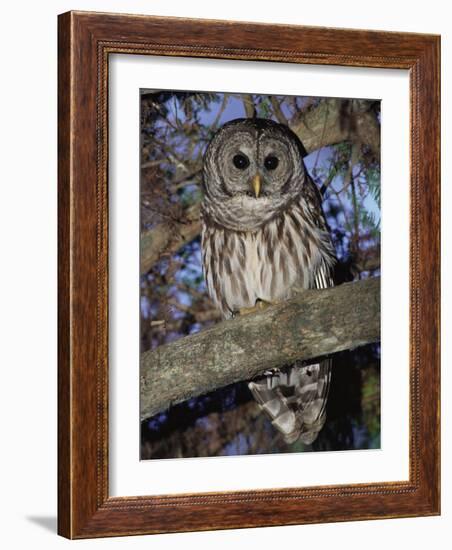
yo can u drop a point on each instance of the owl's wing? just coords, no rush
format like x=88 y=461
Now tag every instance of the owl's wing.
x=313 y=199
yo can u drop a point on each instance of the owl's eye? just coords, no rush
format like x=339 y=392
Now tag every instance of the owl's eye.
x=271 y=162
x=241 y=161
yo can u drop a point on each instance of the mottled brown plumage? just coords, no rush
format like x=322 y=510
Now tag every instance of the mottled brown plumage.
x=263 y=234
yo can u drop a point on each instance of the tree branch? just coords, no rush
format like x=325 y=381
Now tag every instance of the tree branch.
x=168 y=237
x=278 y=111
x=313 y=324
x=324 y=125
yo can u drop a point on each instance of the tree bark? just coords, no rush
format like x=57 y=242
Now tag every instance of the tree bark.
x=312 y=324
x=327 y=125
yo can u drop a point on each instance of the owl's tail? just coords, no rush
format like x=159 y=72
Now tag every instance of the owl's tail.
x=295 y=399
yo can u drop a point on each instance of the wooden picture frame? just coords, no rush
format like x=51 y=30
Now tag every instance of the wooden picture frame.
x=85 y=42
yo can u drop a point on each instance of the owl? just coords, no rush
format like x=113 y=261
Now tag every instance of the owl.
x=263 y=235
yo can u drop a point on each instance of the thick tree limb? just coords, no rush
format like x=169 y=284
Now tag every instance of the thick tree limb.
x=313 y=324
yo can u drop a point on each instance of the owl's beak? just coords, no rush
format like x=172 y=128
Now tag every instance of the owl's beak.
x=256 y=185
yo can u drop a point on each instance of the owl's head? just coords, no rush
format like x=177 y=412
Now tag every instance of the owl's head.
x=252 y=168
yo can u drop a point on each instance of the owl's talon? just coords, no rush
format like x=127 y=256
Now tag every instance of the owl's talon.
x=246 y=310
x=258 y=306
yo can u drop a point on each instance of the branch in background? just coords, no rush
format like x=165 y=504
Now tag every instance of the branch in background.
x=313 y=324
x=220 y=111
x=248 y=105
x=278 y=111
x=323 y=125
x=168 y=237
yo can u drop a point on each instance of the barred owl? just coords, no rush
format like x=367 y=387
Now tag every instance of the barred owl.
x=263 y=234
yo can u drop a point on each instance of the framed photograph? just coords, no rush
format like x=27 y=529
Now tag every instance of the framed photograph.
x=248 y=275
